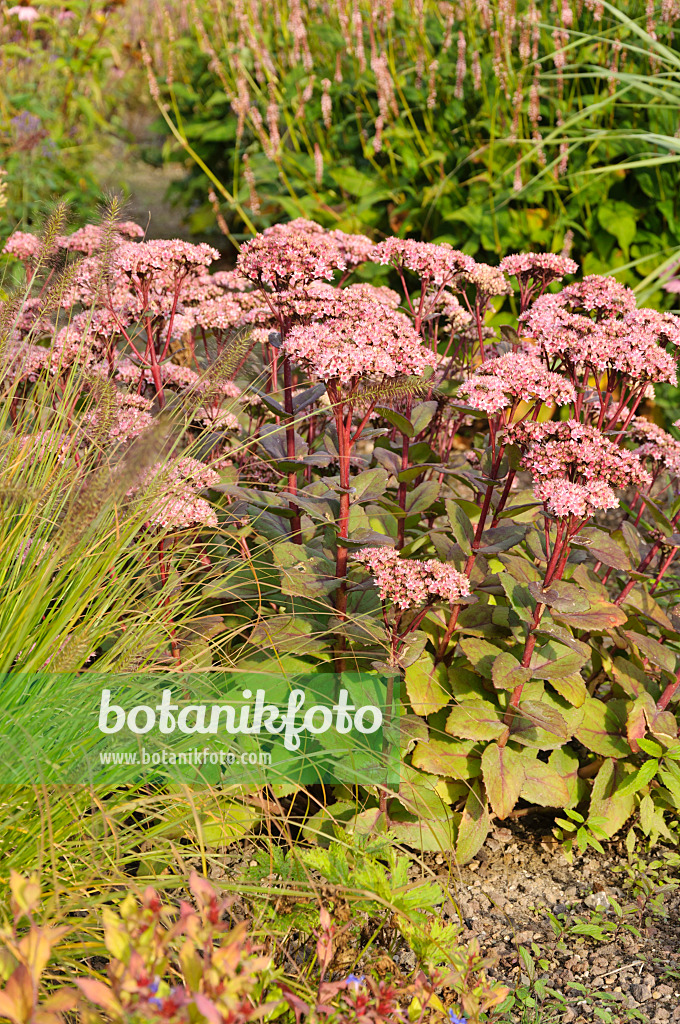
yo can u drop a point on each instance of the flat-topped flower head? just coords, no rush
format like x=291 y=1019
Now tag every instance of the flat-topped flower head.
x=173 y=498
x=91 y=237
x=657 y=445
x=435 y=264
x=23 y=245
x=160 y=254
x=595 y=294
x=575 y=453
x=382 y=343
x=407 y=582
x=567 y=498
x=543 y=267
x=355 y=249
x=289 y=260
x=535 y=271
x=630 y=344
x=320 y=300
x=488 y=281
x=297 y=226
x=500 y=383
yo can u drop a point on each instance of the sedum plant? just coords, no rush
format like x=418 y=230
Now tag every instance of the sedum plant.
x=394 y=483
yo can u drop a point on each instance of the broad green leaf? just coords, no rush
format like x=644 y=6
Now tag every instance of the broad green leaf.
x=603 y=729
x=481 y=654
x=543 y=784
x=555 y=661
x=461 y=527
x=449 y=758
x=475 y=720
x=560 y=596
x=608 y=802
x=503 y=773
x=603 y=547
x=421 y=414
x=424 y=495
x=507 y=673
x=403 y=425
x=566 y=763
x=474 y=825
x=426 y=685
x=655 y=652
x=629 y=677
x=518 y=595
x=599 y=618
x=572 y=688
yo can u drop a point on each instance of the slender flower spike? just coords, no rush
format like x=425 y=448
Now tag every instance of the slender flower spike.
x=408 y=582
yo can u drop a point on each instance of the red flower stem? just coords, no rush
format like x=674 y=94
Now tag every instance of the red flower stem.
x=663 y=569
x=504 y=497
x=668 y=694
x=295 y=523
x=153 y=362
x=643 y=565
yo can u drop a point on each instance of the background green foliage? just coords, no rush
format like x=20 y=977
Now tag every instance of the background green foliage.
x=497 y=121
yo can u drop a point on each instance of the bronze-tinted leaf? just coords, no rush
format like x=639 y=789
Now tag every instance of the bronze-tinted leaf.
x=474 y=825
x=503 y=772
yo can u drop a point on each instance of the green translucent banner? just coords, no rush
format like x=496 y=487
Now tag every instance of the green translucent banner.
x=230 y=727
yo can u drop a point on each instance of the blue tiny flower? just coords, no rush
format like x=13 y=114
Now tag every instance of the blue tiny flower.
x=455 y=1019
x=354 y=979
x=153 y=987
x=154 y=1001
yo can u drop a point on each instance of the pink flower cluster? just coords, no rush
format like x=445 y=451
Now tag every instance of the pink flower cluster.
x=574 y=466
x=161 y=254
x=539 y=266
x=172 y=490
x=287 y=260
x=437 y=265
x=90 y=238
x=380 y=343
x=408 y=582
x=628 y=345
x=500 y=383
x=658 y=446
x=597 y=294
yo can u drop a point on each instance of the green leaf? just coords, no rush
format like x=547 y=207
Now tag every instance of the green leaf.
x=655 y=652
x=507 y=673
x=425 y=685
x=521 y=601
x=461 y=527
x=572 y=688
x=618 y=218
x=448 y=758
x=403 y=425
x=555 y=661
x=423 y=496
x=545 y=718
x=560 y=596
x=601 y=616
x=475 y=720
x=543 y=784
x=421 y=414
x=503 y=773
x=481 y=654
x=603 y=729
x=610 y=800
x=566 y=763
x=474 y=825
x=603 y=547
